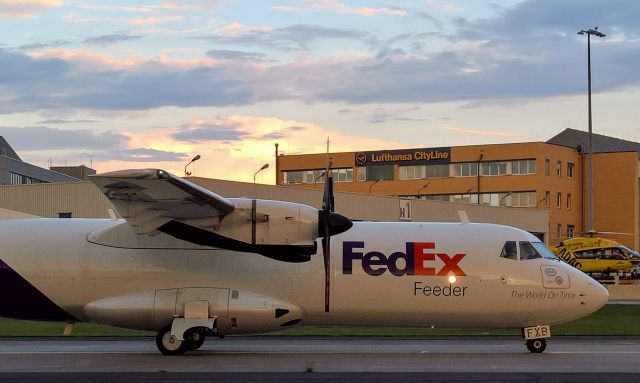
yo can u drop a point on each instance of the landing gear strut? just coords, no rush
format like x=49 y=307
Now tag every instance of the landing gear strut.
x=536 y=345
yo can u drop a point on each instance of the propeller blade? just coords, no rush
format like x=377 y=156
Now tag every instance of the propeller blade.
x=326 y=251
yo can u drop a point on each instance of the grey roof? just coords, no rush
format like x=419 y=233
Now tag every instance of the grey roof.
x=7 y=150
x=601 y=144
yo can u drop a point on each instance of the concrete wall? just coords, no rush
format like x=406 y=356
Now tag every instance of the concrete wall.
x=83 y=199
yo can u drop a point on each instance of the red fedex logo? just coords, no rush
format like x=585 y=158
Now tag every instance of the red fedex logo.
x=416 y=255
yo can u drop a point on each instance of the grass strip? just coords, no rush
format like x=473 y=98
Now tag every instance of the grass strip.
x=618 y=320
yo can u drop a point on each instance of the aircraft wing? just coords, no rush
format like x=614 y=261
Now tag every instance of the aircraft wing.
x=149 y=198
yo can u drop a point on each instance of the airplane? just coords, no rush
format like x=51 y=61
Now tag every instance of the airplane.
x=596 y=255
x=188 y=264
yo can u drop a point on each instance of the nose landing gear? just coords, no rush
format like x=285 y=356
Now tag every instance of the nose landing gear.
x=536 y=345
x=535 y=337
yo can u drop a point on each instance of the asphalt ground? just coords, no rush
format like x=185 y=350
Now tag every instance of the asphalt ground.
x=354 y=359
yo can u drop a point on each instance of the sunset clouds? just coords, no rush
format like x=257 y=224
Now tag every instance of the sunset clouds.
x=158 y=82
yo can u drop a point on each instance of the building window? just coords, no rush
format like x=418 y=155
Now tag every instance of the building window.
x=547 y=167
x=559 y=231
x=437 y=171
x=523 y=167
x=412 y=172
x=494 y=168
x=64 y=215
x=293 y=177
x=568 y=201
x=522 y=199
x=19 y=179
x=570 y=168
x=559 y=169
x=342 y=175
x=372 y=173
x=547 y=197
x=317 y=175
x=570 y=230
x=559 y=200
x=466 y=169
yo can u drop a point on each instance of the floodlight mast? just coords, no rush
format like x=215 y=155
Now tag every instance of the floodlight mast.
x=596 y=33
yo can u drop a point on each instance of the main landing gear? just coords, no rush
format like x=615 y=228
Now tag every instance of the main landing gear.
x=170 y=345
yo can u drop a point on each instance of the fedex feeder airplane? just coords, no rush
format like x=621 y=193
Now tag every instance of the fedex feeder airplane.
x=188 y=263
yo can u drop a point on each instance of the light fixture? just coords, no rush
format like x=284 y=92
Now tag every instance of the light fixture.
x=196 y=158
x=259 y=170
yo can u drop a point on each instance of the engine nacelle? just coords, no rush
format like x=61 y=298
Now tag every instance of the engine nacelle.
x=235 y=312
x=266 y=222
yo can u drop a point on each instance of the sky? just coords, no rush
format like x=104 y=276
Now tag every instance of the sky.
x=141 y=84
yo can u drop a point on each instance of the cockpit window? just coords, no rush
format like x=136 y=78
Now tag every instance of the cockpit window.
x=527 y=251
x=509 y=250
x=544 y=251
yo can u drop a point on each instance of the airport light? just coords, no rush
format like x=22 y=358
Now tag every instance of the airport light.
x=259 y=170
x=373 y=183
x=194 y=159
x=596 y=33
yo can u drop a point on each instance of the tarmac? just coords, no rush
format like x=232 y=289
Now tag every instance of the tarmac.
x=356 y=359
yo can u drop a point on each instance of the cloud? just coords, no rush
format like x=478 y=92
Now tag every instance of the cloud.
x=61 y=121
x=44 y=138
x=41 y=45
x=381 y=115
x=476 y=132
x=222 y=54
x=144 y=155
x=52 y=83
x=154 y=20
x=510 y=55
x=111 y=39
x=19 y=9
x=298 y=37
x=336 y=6
x=202 y=131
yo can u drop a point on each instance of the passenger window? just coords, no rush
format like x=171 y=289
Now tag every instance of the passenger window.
x=509 y=250
x=527 y=251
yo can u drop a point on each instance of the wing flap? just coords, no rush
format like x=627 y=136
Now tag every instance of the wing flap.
x=149 y=198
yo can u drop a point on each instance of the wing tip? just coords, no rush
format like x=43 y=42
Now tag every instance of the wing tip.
x=134 y=173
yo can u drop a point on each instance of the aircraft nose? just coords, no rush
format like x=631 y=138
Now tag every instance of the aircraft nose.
x=597 y=296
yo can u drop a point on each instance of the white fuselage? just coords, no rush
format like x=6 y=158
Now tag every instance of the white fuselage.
x=78 y=261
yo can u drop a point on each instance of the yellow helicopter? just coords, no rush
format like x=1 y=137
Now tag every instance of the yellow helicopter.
x=598 y=255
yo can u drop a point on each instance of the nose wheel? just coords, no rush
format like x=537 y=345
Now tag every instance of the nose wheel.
x=536 y=345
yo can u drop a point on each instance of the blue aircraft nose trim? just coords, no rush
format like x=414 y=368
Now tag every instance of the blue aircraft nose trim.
x=21 y=300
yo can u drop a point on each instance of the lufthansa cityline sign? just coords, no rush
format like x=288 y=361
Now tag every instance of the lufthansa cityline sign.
x=404 y=157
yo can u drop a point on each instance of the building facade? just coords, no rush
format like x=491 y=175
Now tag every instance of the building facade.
x=545 y=176
x=14 y=171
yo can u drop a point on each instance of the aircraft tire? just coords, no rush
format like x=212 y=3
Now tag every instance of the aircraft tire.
x=194 y=339
x=193 y=345
x=537 y=345
x=166 y=346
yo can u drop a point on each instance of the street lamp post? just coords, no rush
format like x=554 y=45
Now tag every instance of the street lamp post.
x=259 y=170
x=422 y=188
x=373 y=183
x=196 y=158
x=596 y=33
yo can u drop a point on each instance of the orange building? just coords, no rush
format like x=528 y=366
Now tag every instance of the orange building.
x=535 y=175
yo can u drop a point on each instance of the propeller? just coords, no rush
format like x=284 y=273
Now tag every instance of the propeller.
x=329 y=223
x=593 y=233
